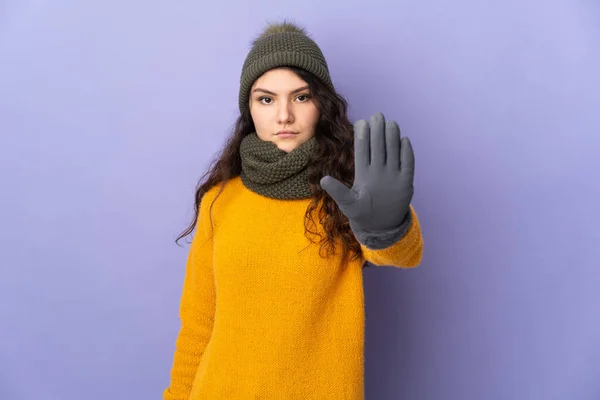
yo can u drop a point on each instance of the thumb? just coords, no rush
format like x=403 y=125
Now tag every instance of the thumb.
x=338 y=191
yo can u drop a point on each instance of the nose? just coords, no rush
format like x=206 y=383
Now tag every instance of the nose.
x=284 y=113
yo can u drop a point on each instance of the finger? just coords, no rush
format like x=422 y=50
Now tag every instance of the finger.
x=362 y=150
x=407 y=156
x=392 y=140
x=338 y=191
x=378 y=140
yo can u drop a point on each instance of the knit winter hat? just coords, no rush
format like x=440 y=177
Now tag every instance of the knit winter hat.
x=281 y=45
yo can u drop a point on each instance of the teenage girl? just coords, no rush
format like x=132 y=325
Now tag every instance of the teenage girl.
x=295 y=205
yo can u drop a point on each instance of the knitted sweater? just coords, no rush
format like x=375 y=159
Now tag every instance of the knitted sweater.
x=263 y=315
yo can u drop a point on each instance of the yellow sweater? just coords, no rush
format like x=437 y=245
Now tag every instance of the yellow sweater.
x=263 y=315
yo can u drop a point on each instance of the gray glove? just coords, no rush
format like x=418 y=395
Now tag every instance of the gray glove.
x=378 y=204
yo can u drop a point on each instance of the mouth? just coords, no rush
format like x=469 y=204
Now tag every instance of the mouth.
x=286 y=134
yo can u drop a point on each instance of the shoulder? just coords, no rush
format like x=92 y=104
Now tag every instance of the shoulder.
x=221 y=191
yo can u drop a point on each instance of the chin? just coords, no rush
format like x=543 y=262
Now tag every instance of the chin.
x=287 y=147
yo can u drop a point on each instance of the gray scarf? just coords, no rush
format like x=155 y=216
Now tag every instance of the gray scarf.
x=272 y=172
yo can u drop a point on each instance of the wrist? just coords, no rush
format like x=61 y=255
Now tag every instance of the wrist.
x=380 y=239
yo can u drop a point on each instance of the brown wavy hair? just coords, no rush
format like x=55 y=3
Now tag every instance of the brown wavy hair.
x=334 y=156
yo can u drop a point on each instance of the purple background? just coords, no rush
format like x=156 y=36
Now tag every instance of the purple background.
x=110 y=111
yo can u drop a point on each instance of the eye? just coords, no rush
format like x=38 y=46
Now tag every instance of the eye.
x=264 y=98
x=303 y=98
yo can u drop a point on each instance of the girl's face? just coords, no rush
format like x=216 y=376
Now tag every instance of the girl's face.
x=281 y=102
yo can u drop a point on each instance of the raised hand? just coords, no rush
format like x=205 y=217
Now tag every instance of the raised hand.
x=379 y=200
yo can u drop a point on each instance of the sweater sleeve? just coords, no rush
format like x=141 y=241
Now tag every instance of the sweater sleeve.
x=196 y=310
x=406 y=252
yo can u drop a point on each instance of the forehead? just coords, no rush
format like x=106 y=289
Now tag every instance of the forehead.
x=279 y=79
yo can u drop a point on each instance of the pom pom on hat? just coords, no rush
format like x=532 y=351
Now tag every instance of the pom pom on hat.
x=280 y=27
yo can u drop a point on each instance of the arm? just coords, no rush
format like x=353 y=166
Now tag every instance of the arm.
x=402 y=247
x=378 y=203
x=197 y=310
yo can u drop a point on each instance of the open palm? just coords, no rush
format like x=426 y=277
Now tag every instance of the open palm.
x=383 y=184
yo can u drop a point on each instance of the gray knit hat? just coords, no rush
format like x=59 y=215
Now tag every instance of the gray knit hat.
x=281 y=45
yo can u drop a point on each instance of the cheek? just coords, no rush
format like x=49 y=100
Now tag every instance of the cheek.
x=261 y=125
x=262 y=114
x=257 y=118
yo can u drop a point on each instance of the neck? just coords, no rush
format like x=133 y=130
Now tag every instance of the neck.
x=272 y=172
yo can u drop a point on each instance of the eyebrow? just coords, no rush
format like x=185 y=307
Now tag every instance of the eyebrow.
x=274 y=94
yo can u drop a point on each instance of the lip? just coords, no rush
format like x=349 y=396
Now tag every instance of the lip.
x=286 y=134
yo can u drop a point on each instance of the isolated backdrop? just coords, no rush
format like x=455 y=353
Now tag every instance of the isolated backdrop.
x=110 y=111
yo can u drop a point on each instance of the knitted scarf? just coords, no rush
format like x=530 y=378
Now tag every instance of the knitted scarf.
x=272 y=172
